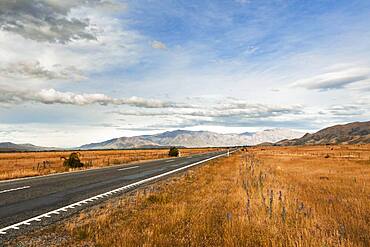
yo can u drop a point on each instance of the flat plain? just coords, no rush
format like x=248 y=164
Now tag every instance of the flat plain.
x=261 y=196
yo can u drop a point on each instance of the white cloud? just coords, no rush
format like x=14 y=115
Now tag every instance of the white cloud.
x=356 y=109
x=227 y=107
x=158 y=45
x=34 y=70
x=334 y=80
x=52 y=96
x=49 y=20
x=232 y=113
x=24 y=57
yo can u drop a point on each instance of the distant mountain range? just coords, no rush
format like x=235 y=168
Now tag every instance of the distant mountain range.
x=352 y=133
x=11 y=147
x=188 y=138
x=181 y=138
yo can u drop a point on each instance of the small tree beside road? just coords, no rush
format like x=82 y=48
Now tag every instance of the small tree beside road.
x=174 y=152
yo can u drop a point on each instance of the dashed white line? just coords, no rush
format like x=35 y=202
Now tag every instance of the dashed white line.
x=16 y=226
x=15 y=189
x=128 y=168
x=180 y=164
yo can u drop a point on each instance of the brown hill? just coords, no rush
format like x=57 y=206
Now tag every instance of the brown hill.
x=352 y=133
x=12 y=147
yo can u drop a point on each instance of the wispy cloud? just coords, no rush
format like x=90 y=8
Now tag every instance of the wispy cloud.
x=34 y=70
x=52 y=96
x=227 y=112
x=334 y=80
x=158 y=45
x=227 y=107
x=355 y=109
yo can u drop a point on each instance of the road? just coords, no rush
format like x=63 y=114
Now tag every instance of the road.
x=26 y=202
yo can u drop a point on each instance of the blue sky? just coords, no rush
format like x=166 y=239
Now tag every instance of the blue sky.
x=74 y=72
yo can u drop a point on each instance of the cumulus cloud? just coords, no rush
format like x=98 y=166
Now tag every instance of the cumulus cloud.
x=34 y=70
x=158 y=45
x=52 y=96
x=46 y=20
x=333 y=80
x=45 y=54
x=51 y=20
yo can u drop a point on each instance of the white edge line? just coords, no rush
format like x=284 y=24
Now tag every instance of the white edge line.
x=15 y=189
x=76 y=204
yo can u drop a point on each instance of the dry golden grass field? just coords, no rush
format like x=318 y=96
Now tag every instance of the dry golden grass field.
x=265 y=196
x=26 y=164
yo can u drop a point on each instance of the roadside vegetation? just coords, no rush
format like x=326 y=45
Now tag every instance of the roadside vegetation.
x=273 y=196
x=73 y=161
x=174 y=152
x=26 y=164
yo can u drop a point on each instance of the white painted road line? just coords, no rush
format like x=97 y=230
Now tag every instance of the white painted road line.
x=16 y=226
x=168 y=161
x=10 y=190
x=184 y=163
x=128 y=168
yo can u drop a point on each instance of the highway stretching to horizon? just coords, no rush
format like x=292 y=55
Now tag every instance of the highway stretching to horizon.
x=31 y=202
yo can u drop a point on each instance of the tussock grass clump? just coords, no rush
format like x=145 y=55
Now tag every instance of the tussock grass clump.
x=73 y=161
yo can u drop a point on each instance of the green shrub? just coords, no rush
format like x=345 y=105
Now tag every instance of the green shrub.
x=174 y=152
x=73 y=161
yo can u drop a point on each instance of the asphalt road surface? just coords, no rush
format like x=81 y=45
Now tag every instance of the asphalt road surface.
x=25 y=202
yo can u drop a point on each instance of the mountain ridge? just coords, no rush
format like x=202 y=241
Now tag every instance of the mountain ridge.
x=13 y=147
x=189 y=138
x=350 y=133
